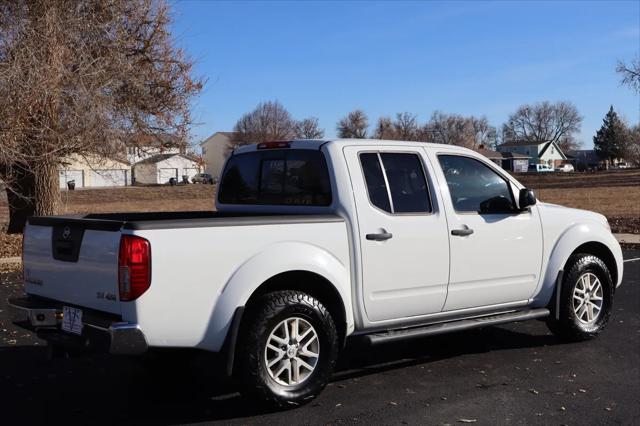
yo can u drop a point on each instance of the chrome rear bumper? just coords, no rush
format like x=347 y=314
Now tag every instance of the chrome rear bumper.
x=100 y=330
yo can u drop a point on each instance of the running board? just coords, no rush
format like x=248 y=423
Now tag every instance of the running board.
x=459 y=325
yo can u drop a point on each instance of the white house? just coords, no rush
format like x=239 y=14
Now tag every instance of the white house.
x=215 y=150
x=158 y=169
x=141 y=147
x=95 y=171
x=538 y=153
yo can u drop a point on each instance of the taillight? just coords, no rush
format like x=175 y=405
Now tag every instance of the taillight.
x=134 y=267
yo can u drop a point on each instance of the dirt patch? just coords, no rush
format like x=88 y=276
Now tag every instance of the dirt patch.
x=10 y=245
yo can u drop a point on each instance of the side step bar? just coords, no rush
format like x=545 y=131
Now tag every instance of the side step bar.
x=459 y=325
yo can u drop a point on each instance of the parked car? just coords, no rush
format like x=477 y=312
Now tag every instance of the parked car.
x=203 y=178
x=540 y=168
x=565 y=168
x=316 y=243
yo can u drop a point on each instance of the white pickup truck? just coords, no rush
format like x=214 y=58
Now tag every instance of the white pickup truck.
x=314 y=243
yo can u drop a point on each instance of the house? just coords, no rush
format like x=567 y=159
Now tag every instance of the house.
x=492 y=155
x=507 y=160
x=141 y=147
x=515 y=162
x=540 y=153
x=215 y=150
x=159 y=168
x=95 y=171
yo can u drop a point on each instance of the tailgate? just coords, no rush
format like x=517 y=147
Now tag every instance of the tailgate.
x=73 y=261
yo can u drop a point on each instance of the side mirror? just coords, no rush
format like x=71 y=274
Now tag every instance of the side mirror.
x=526 y=198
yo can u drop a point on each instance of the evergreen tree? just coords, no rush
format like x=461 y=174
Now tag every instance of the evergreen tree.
x=610 y=140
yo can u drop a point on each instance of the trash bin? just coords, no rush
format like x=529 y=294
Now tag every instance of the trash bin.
x=172 y=181
x=71 y=185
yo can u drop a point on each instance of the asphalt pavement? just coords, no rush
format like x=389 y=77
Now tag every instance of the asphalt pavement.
x=512 y=374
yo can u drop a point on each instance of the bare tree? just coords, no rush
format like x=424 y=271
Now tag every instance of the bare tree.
x=354 y=125
x=75 y=76
x=454 y=129
x=632 y=154
x=269 y=121
x=308 y=128
x=384 y=129
x=405 y=126
x=544 y=122
x=630 y=73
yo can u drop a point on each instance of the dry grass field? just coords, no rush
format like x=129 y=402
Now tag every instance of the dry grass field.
x=616 y=194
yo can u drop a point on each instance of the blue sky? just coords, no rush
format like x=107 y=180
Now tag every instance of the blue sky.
x=325 y=59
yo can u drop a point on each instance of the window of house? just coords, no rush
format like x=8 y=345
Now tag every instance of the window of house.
x=474 y=186
x=396 y=182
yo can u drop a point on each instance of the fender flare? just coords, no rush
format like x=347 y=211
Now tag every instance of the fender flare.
x=568 y=241
x=274 y=260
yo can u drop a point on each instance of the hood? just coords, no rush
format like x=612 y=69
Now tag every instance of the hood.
x=570 y=215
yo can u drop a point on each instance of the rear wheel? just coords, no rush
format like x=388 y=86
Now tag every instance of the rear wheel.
x=586 y=299
x=288 y=348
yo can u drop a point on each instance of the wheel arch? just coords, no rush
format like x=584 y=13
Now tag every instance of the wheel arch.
x=582 y=237
x=312 y=284
x=287 y=265
x=601 y=251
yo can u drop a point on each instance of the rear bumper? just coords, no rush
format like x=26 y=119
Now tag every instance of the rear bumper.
x=99 y=331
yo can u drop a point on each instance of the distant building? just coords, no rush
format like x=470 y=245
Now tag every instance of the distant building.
x=539 y=153
x=158 y=169
x=94 y=171
x=215 y=150
x=141 y=147
x=507 y=160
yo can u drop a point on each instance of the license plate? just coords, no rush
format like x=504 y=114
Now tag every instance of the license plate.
x=72 y=320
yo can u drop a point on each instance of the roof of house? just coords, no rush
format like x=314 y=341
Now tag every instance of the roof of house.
x=514 y=155
x=161 y=157
x=228 y=135
x=516 y=143
x=557 y=148
x=489 y=153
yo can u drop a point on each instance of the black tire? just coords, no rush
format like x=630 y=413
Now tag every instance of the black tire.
x=264 y=316
x=569 y=326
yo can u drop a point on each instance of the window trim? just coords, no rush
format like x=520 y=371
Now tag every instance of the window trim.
x=485 y=163
x=384 y=174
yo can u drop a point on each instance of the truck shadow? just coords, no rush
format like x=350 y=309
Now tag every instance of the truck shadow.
x=102 y=389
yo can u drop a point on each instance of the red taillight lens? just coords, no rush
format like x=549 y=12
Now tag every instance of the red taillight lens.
x=134 y=267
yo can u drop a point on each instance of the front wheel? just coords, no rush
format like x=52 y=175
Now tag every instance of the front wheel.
x=586 y=299
x=288 y=348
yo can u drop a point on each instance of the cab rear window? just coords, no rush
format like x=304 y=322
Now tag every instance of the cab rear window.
x=277 y=177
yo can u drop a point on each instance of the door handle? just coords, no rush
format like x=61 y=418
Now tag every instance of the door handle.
x=382 y=236
x=462 y=232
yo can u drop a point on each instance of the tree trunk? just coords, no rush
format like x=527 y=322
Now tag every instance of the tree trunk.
x=33 y=191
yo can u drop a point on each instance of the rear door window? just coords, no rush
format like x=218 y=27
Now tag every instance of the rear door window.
x=396 y=182
x=276 y=177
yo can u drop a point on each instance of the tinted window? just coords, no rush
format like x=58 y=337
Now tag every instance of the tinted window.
x=286 y=177
x=407 y=183
x=376 y=186
x=474 y=187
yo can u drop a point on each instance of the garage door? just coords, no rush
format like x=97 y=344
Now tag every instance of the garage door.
x=112 y=177
x=71 y=175
x=165 y=174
